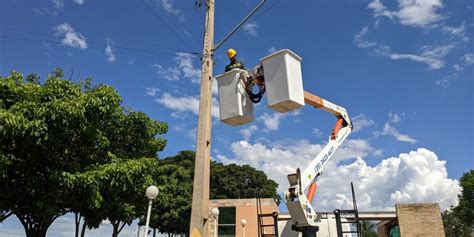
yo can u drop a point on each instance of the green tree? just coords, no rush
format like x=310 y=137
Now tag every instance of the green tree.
x=51 y=133
x=119 y=188
x=367 y=229
x=459 y=220
x=453 y=226
x=172 y=210
x=465 y=209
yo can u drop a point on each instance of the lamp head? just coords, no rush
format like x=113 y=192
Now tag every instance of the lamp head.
x=152 y=192
x=215 y=212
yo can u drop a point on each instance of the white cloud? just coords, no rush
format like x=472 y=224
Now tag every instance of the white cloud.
x=373 y=47
x=271 y=121
x=468 y=59
x=109 y=53
x=169 y=73
x=432 y=55
x=418 y=176
x=192 y=133
x=169 y=7
x=184 y=66
x=317 y=132
x=417 y=13
x=214 y=88
x=432 y=63
x=361 y=121
x=459 y=32
x=272 y=50
x=283 y=157
x=185 y=104
x=465 y=61
x=184 y=62
x=71 y=37
x=56 y=6
x=247 y=132
x=251 y=28
x=80 y=2
x=393 y=117
x=151 y=91
x=388 y=129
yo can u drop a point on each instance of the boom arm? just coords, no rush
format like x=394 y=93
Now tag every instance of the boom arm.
x=299 y=205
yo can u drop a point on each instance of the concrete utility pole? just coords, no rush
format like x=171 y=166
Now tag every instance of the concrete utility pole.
x=200 y=205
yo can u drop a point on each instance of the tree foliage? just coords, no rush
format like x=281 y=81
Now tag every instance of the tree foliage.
x=68 y=146
x=459 y=221
x=368 y=229
x=172 y=211
x=453 y=226
x=465 y=209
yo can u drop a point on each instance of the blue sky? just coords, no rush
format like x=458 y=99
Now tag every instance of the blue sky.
x=403 y=70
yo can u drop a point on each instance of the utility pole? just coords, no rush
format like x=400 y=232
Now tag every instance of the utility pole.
x=200 y=205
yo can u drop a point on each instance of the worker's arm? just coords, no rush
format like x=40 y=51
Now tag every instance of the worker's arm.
x=242 y=66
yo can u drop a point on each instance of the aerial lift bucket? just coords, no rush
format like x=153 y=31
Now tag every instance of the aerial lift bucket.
x=283 y=81
x=235 y=106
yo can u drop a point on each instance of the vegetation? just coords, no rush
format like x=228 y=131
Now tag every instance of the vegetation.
x=172 y=211
x=459 y=221
x=69 y=147
x=368 y=229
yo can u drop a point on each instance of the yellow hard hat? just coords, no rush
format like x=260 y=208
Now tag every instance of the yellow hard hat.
x=231 y=53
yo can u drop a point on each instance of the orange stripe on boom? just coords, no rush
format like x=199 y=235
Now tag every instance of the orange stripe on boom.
x=337 y=127
x=312 y=191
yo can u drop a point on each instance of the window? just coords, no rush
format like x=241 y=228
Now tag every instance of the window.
x=226 y=225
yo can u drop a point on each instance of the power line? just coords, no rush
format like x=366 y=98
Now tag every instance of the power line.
x=15 y=29
x=169 y=27
x=95 y=44
x=188 y=31
x=266 y=10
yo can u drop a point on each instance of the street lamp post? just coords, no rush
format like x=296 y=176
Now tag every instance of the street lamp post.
x=215 y=214
x=151 y=193
x=243 y=222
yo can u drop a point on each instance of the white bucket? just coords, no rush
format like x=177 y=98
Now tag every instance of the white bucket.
x=234 y=104
x=283 y=81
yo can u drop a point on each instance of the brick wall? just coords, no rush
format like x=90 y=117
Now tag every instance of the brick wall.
x=420 y=220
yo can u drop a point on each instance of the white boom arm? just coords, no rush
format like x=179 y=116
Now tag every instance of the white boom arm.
x=300 y=208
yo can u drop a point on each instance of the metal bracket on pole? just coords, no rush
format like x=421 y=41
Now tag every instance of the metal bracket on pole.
x=239 y=25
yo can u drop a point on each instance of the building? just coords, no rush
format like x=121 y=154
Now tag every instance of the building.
x=411 y=220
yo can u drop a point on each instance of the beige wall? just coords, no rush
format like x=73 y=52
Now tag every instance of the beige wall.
x=420 y=220
x=246 y=209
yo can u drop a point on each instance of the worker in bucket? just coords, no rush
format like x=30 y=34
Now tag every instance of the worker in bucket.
x=232 y=54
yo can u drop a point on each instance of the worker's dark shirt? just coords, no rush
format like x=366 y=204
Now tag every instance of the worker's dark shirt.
x=234 y=65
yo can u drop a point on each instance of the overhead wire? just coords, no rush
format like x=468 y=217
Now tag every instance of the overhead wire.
x=188 y=31
x=266 y=10
x=169 y=27
x=90 y=43
x=15 y=29
x=113 y=45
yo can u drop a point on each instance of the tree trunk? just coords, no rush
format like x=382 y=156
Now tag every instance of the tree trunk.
x=77 y=221
x=83 y=231
x=115 y=229
x=5 y=215
x=154 y=232
x=34 y=230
